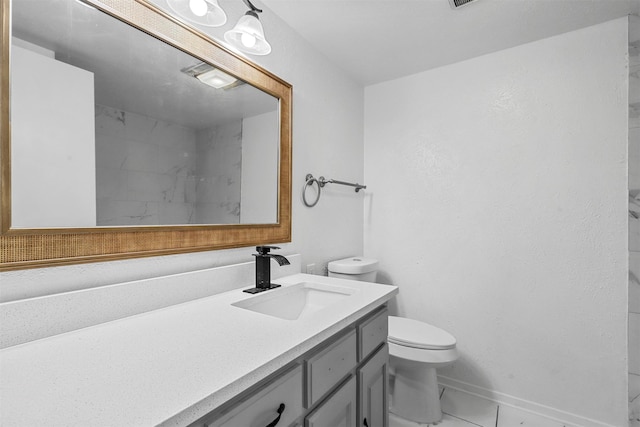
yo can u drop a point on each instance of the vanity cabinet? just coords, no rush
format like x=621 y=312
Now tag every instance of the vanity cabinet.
x=340 y=382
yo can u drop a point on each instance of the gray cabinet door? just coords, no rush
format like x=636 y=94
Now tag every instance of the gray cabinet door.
x=339 y=410
x=329 y=366
x=372 y=391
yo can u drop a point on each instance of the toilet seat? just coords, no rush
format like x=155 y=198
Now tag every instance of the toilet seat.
x=419 y=335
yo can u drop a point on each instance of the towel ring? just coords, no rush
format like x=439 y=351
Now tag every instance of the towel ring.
x=309 y=180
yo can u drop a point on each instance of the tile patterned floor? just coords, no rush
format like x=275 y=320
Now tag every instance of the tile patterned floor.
x=465 y=410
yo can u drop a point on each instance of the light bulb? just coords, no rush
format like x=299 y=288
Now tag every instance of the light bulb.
x=248 y=40
x=198 y=7
x=217 y=82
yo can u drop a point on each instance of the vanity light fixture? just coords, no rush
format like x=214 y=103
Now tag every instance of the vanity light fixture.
x=248 y=35
x=203 y=12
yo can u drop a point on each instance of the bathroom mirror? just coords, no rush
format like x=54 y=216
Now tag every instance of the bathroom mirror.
x=127 y=133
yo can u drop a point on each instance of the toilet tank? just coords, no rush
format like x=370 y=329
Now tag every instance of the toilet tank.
x=354 y=268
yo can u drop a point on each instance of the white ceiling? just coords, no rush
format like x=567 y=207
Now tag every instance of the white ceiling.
x=379 y=40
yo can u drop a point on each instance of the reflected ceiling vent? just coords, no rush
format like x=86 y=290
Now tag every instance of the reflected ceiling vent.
x=212 y=76
x=459 y=3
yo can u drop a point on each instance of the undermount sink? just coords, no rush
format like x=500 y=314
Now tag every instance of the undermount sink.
x=296 y=301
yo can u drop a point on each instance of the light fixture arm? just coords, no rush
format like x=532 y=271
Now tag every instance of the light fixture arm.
x=251 y=6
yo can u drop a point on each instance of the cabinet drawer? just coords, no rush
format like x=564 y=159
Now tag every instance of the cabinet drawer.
x=372 y=333
x=261 y=408
x=329 y=366
x=337 y=410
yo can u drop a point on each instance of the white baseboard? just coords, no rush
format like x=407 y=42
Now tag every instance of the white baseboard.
x=566 y=418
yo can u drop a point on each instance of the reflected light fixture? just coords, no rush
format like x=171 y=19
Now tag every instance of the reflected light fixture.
x=203 y=12
x=216 y=78
x=248 y=35
x=211 y=76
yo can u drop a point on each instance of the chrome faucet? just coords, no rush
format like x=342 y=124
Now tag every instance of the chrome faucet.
x=263 y=269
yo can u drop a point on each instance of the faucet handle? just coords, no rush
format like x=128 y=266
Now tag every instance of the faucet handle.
x=263 y=250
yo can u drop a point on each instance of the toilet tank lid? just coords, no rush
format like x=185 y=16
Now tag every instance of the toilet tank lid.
x=353 y=265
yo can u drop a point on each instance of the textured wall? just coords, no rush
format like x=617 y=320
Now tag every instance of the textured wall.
x=634 y=220
x=498 y=205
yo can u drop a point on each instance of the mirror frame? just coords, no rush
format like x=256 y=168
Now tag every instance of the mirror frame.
x=47 y=247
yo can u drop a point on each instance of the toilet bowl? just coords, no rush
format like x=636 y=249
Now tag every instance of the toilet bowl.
x=416 y=350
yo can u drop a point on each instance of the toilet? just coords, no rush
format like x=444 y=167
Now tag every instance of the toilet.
x=416 y=350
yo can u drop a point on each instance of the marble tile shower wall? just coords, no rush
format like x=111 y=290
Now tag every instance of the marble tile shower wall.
x=144 y=170
x=219 y=166
x=154 y=172
x=634 y=221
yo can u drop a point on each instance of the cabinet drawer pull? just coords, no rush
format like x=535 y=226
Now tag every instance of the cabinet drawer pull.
x=366 y=424
x=280 y=411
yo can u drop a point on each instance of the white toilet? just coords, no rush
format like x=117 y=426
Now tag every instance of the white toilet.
x=416 y=349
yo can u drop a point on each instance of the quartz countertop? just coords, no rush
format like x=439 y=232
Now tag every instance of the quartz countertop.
x=169 y=366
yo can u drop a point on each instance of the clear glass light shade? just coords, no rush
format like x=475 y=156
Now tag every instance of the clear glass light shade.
x=248 y=36
x=203 y=12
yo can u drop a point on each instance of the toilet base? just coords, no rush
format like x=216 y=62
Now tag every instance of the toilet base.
x=415 y=393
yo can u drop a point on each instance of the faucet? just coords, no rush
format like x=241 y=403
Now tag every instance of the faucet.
x=263 y=269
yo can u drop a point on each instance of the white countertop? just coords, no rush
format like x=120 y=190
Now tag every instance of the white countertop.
x=169 y=366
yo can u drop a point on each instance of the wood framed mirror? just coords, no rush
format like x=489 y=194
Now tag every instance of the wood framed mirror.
x=114 y=146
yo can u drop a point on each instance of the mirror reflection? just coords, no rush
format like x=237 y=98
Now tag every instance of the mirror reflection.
x=113 y=127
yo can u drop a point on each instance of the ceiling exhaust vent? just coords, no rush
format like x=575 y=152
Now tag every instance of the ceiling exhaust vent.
x=459 y=3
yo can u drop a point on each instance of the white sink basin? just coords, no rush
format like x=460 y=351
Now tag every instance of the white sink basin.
x=295 y=301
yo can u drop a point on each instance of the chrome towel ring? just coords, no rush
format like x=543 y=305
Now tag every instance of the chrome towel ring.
x=321 y=182
x=309 y=182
